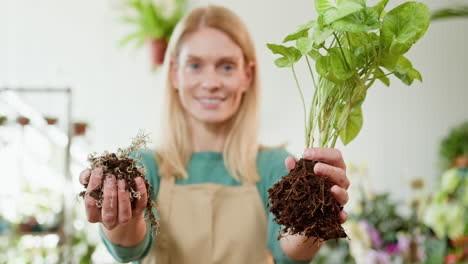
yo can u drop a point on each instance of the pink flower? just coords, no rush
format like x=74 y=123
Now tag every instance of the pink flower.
x=374 y=234
x=377 y=257
x=392 y=249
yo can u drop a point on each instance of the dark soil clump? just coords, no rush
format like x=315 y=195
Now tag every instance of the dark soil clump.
x=123 y=167
x=303 y=204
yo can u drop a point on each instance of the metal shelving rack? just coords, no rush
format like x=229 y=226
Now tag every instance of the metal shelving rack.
x=65 y=227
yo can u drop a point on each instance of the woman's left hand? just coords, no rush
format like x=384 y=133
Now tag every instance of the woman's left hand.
x=332 y=166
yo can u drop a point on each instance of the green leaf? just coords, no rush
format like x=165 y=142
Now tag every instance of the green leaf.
x=322 y=66
x=314 y=54
x=436 y=250
x=342 y=69
x=283 y=62
x=304 y=45
x=134 y=36
x=363 y=47
x=308 y=25
x=362 y=21
x=320 y=34
x=278 y=49
x=301 y=32
x=379 y=7
x=353 y=126
x=403 y=26
x=296 y=35
x=381 y=76
x=405 y=72
x=329 y=68
x=131 y=20
x=290 y=53
x=388 y=60
x=333 y=10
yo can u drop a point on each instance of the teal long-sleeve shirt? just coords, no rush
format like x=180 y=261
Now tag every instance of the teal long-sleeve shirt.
x=208 y=167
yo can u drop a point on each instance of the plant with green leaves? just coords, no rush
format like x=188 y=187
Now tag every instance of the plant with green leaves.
x=454 y=145
x=3 y=119
x=152 y=20
x=352 y=45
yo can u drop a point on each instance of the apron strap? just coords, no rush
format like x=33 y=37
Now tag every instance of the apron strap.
x=165 y=194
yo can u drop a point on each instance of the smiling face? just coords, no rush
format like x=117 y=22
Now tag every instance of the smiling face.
x=210 y=75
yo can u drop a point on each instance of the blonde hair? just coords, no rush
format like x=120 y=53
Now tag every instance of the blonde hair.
x=241 y=145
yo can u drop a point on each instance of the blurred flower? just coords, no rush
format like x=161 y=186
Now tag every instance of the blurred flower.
x=452 y=258
x=417 y=184
x=403 y=242
x=435 y=218
x=392 y=248
x=361 y=241
x=455 y=220
x=374 y=234
x=377 y=257
x=450 y=180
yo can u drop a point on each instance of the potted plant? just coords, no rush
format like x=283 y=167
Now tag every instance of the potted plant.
x=454 y=148
x=3 y=120
x=22 y=120
x=50 y=120
x=154 y=25
x=352 y=45
x=79 y=128
x=446 y=213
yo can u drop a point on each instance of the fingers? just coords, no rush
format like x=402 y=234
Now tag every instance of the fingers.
x=290 y=162
x=92 y=211
x=109 y=203
x=343 y=217
x=334 y=174
x=125 y=208
x=340 y=194
x=140 y=203
x=84 y=177
x=330 y=156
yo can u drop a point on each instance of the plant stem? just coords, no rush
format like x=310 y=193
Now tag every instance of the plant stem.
x=303 y=102
x=384 y=75
x=341 y=49
x=311 y=73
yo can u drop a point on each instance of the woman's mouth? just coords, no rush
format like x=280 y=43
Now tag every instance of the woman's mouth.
x=210 y=102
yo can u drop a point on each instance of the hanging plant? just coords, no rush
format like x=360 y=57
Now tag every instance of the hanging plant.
x=352 y=45
x=154 y=25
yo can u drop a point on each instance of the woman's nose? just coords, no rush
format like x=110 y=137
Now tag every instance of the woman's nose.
x=211 y=80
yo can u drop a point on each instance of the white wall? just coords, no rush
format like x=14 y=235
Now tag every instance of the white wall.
x=74 y=43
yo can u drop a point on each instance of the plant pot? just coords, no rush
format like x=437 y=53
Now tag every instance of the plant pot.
x=51 y=120
x=158 y=51
x=3 y=120
x=461 y=162
x=22 y=120
x=79 y=128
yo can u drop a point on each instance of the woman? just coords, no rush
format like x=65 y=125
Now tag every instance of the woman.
x=209 y=174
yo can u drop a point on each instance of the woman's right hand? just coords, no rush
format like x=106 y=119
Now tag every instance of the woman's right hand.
x=116 y=208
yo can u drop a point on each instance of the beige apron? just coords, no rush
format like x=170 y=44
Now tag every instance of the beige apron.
x=210 y=224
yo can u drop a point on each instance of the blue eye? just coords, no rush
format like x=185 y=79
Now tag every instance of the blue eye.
x=194 y=65
x=227 y=67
